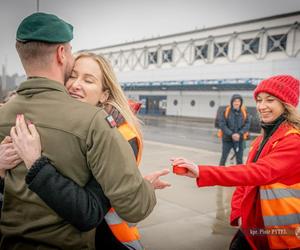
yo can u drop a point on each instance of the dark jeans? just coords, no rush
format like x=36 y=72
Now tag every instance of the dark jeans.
x=227 y=146
x=105 y=239
x=239 y=242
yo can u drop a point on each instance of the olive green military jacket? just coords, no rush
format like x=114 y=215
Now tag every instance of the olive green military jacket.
x=80 y=142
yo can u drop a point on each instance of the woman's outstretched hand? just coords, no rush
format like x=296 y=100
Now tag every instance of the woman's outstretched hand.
x=157 y=183
x=26 y=140
x=192 y=170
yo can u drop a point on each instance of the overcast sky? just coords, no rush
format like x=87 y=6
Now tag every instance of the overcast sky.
x=98 y=23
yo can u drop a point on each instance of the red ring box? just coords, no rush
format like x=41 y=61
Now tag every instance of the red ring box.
x=179 y=170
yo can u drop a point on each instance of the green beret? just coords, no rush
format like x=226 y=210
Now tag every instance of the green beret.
x=45 y=28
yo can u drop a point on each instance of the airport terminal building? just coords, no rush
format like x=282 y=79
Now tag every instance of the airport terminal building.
x=193 y=73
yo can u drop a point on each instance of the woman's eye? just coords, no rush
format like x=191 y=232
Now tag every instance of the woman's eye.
x=89 y=81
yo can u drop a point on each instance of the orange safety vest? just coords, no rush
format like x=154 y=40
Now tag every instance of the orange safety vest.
x=226 y=113
x=125 y=232
x=280 y=206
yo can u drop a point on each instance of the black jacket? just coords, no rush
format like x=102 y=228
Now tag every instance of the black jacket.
x=234 y=122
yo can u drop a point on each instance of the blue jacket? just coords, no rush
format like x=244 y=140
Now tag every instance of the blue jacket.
x=234 y=123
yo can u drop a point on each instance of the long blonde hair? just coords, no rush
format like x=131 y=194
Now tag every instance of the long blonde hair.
x=292 y=115
x=116 y=97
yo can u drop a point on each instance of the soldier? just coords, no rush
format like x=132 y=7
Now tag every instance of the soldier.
x=81 y=144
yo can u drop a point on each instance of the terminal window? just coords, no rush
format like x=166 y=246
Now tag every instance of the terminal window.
x=212 y=103
x=201 y=52
x=220 y=49
x=277 y=43
x=152 y=57
x=250 y=46
x=167 y=56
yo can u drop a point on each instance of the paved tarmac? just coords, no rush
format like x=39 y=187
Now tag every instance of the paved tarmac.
x=185 y=214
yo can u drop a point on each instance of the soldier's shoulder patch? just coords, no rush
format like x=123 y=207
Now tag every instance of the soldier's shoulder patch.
x=111 y=121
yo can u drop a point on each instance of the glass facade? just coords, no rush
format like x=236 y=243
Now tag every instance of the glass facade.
x=221 y=49
x=167 y=56
x=152 y=57
x=277 y=43
x=250 y=46
x=201 y=52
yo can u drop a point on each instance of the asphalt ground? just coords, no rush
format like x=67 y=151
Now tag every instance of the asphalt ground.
x=185 y=215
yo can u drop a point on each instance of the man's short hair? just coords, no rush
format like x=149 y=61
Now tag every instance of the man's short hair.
x=36 y=52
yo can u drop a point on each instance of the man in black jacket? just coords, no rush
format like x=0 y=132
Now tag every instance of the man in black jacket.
x=234 y=124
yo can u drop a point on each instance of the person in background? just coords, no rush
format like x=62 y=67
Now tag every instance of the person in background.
x=234 y=125
x=78 y=138
x=92 y=81
x=266 y=203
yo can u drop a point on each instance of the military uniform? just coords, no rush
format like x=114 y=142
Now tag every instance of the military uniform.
x=78 y=139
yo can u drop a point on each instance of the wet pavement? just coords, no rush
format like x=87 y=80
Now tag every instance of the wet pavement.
x=191 y=133
x=185 y=215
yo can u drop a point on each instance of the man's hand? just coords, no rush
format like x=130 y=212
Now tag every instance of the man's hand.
x=26 y=140
x=153 y=178
x=235 y=137
x=9 y=157
x=193 y=169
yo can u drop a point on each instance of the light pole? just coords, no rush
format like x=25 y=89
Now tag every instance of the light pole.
x=37 y=5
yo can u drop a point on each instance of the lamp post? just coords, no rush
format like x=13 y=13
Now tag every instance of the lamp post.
x=37 y=5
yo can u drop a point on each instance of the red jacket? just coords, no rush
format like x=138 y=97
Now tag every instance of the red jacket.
x=278 y=163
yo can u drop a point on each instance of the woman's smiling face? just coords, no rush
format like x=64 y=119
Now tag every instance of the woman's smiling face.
x=269 y=107
x=86 y=82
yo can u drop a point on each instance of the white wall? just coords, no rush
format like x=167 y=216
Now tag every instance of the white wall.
x=201 y=98
x=257 y=69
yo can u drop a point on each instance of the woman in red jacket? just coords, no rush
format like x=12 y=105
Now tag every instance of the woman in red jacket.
x=266 y=203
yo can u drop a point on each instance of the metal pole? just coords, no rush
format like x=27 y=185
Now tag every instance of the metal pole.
x=37 y=5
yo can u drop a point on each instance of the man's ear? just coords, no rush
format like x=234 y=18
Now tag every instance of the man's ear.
x=60 y=54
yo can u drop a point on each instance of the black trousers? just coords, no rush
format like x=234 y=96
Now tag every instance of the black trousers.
x=105 y=239
x=239 y=242
x=227 y=146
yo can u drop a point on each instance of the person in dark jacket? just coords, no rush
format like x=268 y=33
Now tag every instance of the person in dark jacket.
x=92 y=81
x=234 y=126
x=234 y=123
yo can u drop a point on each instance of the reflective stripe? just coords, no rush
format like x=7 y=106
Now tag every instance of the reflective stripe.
x=278 y=193
x=134 y=245
x=112 y=218
x=281 y=220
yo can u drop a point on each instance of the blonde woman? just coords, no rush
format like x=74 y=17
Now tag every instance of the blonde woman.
x=266 y=203
x=92 y=81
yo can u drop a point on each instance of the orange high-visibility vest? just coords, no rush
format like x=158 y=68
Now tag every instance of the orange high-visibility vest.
x=125 y=232
x=226 y=113
x=280 y=206
x=129 y=133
